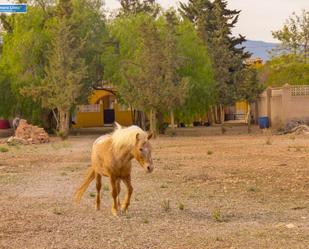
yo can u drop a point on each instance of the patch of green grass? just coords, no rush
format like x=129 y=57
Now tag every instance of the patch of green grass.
x=163 y=185
x=128 y=215
x=58 y=211
x=181 y=206
x=299 y=208
x=217 y=216
x=269 y=136
x=72 y=168
x=4 y=149
x=92 y=194
x=252 y=189
x=145 y=221
x=297 y=148
x=13 y=143
x=8 y=178
x=105 y=187
x=168 y=167
x=219 y=239
x=209 y=152
x=268 y=141
x=166 y=205
x=60 y=145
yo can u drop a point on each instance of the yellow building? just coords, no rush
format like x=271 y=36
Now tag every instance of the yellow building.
x=241 y=108
x=102 y=110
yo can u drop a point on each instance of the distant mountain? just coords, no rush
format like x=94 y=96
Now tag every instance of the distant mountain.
x=259 y=48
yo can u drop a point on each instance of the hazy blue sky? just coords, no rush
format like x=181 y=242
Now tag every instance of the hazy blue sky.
x=258 y=17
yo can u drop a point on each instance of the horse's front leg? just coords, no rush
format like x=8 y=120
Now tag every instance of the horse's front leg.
x=127 y=182
x=113 y=183
x=118 y=191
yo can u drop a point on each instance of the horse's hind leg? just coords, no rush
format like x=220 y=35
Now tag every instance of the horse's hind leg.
x=98 y=178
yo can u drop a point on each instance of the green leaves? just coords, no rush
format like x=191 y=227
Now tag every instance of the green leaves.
x=31 y=46
x=162 y=63
x=290 y=61
x=285 y=69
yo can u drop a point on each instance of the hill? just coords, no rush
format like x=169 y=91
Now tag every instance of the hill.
x=260 y=48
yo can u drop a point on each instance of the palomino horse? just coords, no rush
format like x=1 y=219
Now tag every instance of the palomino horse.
x=111 y=156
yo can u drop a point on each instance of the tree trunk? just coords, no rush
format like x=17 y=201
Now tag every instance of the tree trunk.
x=249 y=118
x=139 y=119
x=221 y=110
x=161 y=125
x=213 y=117
x=64 y=126
x=222 y=114
x=153 y=125
x=143 y=120
x=172 y=119
x=216 y=114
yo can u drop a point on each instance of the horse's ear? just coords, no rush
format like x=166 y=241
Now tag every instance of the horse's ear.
x=117 y=126
x=150 y=135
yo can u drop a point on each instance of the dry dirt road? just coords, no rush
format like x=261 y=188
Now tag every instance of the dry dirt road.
x=207 y=191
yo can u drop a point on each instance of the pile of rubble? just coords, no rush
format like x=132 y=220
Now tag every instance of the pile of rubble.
x=298 y=127
x=28 y=134
x=301 y=129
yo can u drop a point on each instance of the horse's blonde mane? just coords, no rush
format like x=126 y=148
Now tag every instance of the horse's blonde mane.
x=126 y=137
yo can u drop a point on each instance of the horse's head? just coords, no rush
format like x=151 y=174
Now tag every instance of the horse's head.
x=142 y=152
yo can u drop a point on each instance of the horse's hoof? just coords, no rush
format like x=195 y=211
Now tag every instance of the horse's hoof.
x=114 y=212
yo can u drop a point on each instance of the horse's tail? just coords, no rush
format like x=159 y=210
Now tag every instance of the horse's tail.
x=81 y=190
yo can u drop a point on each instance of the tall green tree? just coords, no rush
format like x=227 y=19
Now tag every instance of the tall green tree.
x=214 y=22
x=23 y=58
x=165 y=65
x=152 y=80
x=65 y=70
x=27 y=51
x=132 y=7
x=198 y=69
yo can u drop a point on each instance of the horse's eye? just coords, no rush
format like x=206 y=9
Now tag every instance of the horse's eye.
x=141 y=149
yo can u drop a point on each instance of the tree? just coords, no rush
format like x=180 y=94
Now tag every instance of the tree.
x=289 y=63
x=285 y=69
x=197 y=69
x=294 y=36
x=90 y=26
x=129 y=7
x=152 y=80
x=22 y=61
x=165 y=65
x=27 y=51
x=65 y=70
x=214 y=22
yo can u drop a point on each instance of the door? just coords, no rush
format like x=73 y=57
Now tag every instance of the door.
x=109 y=116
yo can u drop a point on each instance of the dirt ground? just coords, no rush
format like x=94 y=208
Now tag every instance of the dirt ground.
x=207 y=191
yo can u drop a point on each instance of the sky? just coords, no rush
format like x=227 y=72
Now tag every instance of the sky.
x=258 y=17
